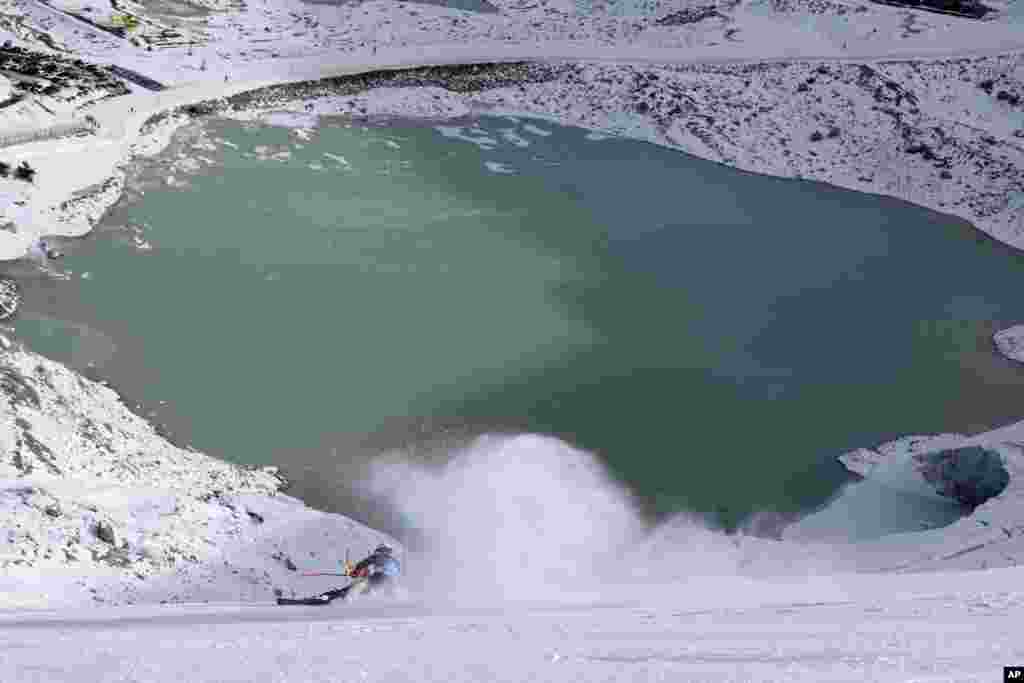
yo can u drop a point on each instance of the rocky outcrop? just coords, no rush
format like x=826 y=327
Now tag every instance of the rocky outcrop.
x=1010 y=342
x=970 y=475
x=984 y=473
x=459 y=78
x=10 y=297
x=690 y=15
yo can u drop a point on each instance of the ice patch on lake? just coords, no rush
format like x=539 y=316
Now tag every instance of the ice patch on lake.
x=268 y=153
x=457 y=133
x=512 y=136
x=497 y=167
x=530 y=128
x=186 y=165
x=596 y=137
x=338 y=158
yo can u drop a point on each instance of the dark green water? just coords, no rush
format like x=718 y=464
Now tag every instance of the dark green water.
x=716 y=337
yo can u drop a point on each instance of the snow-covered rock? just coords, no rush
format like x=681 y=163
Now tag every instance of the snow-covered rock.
x=1010 y=342
x=982 y=497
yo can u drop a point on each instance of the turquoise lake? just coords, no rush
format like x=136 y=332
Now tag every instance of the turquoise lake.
x=715 y=337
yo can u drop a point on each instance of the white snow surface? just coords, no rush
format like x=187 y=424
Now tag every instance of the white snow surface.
x=942 y=627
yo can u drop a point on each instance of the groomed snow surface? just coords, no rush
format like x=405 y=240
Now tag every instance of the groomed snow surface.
x=956 y=627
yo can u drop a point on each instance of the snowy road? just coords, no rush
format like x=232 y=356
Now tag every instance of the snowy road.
x=121 y=117
x=949 y=636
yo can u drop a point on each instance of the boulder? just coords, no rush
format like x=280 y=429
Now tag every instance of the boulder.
x=105 y=532
x=970 y=475
x=1010 y=342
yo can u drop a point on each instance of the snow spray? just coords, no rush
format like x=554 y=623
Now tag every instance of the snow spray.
x=531 y=519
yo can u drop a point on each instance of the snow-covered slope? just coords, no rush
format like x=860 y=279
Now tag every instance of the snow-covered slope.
x=943 y=627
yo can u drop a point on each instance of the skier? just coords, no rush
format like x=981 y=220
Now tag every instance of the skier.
x=378 y=573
